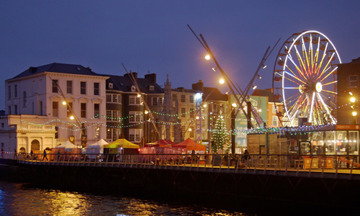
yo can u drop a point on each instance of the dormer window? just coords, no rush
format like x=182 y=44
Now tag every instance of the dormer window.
x=111 y=85
x=133 y=89
x=151 y=88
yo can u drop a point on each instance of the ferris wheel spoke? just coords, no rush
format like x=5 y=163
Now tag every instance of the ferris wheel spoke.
x=312 y=107
x=329 y=99
x=300 y=60
x=329 y=83
x=291 y=87
x=322 y=59
x=327 y=109
x=327 y=64
x=311 y=53
x=288 y=78
x=329 y=74
x=305 y=55
x=297 y=67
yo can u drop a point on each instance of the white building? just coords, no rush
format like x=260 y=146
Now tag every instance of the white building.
x=40 y=92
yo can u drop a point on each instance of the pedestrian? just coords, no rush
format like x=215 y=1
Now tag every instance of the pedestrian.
x=45 y=157
x=31 y=154
x=58 y=154
x=15 y=154
x=2 y=152
x=246 y=156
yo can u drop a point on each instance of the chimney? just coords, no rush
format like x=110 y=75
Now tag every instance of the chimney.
x=151 y=77
x=199 y=86
x=32 y=69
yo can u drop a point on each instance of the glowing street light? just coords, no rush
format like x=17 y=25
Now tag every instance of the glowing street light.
x=233 y=104
x=354 y=113
x=138 y=95
x=352 y=99
x=207 y=57
x=64 y=103
x=254 y=87
x=72 y=117
x=221 y=81
x=146 y=112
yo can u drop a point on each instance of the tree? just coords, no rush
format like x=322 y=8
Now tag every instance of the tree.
x=220 y=135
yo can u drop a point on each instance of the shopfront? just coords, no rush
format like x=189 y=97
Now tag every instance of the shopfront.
x=334 y=140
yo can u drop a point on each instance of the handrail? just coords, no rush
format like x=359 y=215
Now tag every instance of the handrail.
x=348 y=164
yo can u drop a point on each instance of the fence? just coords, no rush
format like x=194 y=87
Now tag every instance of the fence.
x=300 y=163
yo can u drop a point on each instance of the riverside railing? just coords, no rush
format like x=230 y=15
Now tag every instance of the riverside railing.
x=275 y=162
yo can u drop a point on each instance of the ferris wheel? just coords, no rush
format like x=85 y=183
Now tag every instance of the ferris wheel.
x=305 y=79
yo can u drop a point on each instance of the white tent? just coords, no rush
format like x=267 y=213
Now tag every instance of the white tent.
x=95 y=148
x=67 y=145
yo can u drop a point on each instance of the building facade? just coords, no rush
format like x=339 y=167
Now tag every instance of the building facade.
x=348 y=85
x=69 y=97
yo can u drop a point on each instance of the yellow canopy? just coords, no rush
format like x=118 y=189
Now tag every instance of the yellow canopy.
x=121 y=143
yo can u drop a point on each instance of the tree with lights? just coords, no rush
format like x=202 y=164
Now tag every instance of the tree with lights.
x=220 y=135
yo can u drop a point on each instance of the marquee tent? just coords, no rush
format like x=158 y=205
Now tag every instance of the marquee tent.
x=121 y=143
x=190 y=145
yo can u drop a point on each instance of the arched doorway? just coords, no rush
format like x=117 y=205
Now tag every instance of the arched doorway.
x=35 y=145
x=22 y=150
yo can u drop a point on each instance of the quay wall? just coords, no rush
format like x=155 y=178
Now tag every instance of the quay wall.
x=220 y=189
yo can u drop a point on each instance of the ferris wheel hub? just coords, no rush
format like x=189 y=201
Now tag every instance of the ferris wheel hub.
x=318 y=87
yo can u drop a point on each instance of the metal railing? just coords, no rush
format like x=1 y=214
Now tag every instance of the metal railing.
x=299 y=163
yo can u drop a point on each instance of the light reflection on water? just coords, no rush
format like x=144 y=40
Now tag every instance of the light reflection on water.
x=17 y=199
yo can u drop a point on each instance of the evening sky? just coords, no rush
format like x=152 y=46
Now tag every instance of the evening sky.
x=152 y=36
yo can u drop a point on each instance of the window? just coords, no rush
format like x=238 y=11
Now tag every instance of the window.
x=68 y=109
x=41 y=107
x=108 y=98
x=15 y=109
x=9 y=92
x=55 y=108
x=353 y=81
x=183 y=114
x=56 y=132
x=115 y=98
x=83 y=110
x=82 y=87
x=151 y=88
x=133 y=88
x=275 y=121
x=115 y=115
x=135 y=116
x=191 y=99
x=108 y=133
x=174 y=97
x=192 y=113
x=134 y=100
x=15 y=91
x=135 y=135
x=111 y=85
x=97 y=111
x=108 y=115
x=9 y=109
x=154 y=101
x=55 y=86
x=96 y=88
x=183 y=98
x=273 y=109
x=24 y=99
x=69 y=87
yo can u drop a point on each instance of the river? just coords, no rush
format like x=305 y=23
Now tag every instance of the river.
x=24 y=199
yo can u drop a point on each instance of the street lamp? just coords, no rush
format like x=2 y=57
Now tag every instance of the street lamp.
x=221 y=81
x=207 y=57
x=352 y=99
x=354 y=113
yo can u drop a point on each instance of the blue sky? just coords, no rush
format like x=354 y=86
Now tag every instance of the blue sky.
x=152 y=36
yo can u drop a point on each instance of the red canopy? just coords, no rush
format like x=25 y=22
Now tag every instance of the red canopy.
x=189 y=144
x=161 y=143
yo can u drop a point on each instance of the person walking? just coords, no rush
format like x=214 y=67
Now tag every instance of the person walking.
x=2 y=152
x=45 y=156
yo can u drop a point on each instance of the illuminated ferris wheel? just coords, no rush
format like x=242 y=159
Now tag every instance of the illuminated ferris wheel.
x=305 y=78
